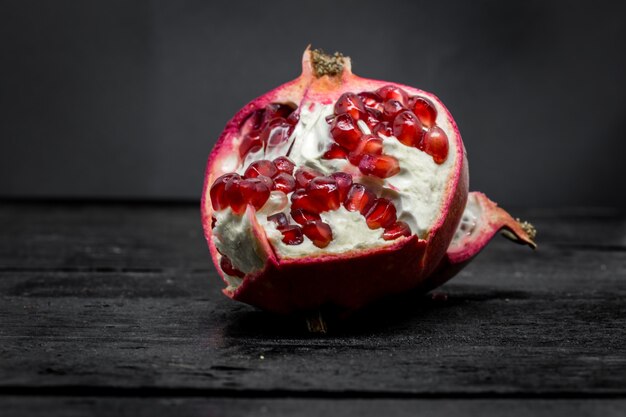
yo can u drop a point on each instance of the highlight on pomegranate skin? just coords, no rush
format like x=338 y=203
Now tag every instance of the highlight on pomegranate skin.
x=334 y=190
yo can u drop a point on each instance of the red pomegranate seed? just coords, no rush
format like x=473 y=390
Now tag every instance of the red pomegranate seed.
x=373 y=117
x=319 y=232
x=261 y=167
x=407 y=128
x=396 y=230
x=278 y=110
x=391 y=92
x=232 y=194
x=351 y=104
x=391 y=109
x=284 y=182
x=335 y=152
x=345 y=132
x=277 y=133
x=304 y=176
x=369 y=145
x=280 y=219
x=254 y=191
x=218 y=200
x=229 y=269
x=384 y=128
x=213 y=221
x=371 y=100
x=382 y=214
x=302 y=216
x=251 y=142
x=424 y=109
x=359 y=199
x=381 y=166
x=284 y=164
x=293 y=118
x=266 y=180
x=253 y=122
x=435 y=144
x=292 y=235
x=324 y=192
x=300 y=200
x=344 y=182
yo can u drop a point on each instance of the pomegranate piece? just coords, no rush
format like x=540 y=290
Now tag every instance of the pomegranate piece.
x=407 y=128
x=371 y=100
x=359 y=199
x=284 y=182
x=284 y=164
x=343 y=278
x=345 y=132
x=319 y=232
x=229 y=269
x=261 y=167
x=391 y=92
x=381 y=214
x=391 y=109
x=397 y=230
x=435 y=144
x=424 y=109
x=218 y=199
x=254 y=191
x=381 y=166
x=351 y=104
x=232 y=194
x=344 y=182
x=304 y=176
x=335 y=152
x=324 y=192
x=280 y=219
x=302 y=216
x=292 y=235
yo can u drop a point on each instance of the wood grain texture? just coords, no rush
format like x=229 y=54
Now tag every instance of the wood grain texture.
x=228 y=407
x=97 y=299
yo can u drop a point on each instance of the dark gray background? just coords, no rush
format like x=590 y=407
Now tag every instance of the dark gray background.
x=121 y=99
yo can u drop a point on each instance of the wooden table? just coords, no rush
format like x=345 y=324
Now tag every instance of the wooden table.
x=116 y=308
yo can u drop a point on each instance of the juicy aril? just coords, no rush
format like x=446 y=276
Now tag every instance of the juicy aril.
x=334 y=190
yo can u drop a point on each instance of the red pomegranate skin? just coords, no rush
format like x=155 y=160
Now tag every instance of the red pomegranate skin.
x=351 y=280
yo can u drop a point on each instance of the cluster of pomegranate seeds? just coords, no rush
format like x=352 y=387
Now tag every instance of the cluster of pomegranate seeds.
x=254 y=188
x=388 y=111
x=267 y=127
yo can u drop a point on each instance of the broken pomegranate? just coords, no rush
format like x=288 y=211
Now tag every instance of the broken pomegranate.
x=335 y=190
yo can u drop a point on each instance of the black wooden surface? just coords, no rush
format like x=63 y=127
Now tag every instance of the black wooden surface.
x=117 y=308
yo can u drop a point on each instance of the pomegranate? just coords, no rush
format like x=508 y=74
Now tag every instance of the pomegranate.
x=335 y=190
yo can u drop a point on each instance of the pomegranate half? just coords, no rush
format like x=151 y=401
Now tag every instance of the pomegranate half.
x=334 y=190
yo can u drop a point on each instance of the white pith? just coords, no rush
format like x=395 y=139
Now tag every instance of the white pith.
x=417 y=192
x=468 y=224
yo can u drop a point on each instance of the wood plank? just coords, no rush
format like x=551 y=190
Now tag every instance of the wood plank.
x=228 y=407
x=149 y=315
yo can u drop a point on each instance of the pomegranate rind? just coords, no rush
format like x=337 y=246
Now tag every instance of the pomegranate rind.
x=490 y=220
